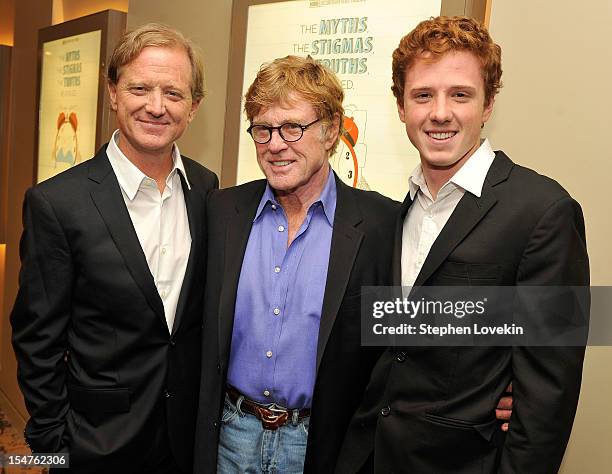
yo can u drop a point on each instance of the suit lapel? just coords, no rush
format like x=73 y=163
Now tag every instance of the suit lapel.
x=465 y=217
x=195 y=213
x=237 y=234
x=346 y=239
x=106 y=195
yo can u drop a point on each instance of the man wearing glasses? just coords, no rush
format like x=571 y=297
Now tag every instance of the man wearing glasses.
x=282 y=366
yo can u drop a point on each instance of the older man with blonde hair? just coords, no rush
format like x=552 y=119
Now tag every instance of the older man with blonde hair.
x=282 y=366
x=108 y=316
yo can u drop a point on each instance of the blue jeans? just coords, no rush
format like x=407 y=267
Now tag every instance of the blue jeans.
x=246 y=447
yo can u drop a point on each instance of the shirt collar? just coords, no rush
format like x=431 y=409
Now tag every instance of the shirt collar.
x=416 y=181
x=327 y=199
x=471 y=175
x=128 y=174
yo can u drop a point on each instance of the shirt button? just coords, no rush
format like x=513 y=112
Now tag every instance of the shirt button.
x=276 y=311
x=266 y=393
x=274 y=207
x=269 y=354
x=163 y=294
x=163 y=251
x=281 y=228
x=276 y=269
x=385 y=411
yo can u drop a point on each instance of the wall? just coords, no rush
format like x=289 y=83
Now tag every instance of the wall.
x=7 y=18
x=207 y=24
x=553 y=115
x=71 y=9
x=30 y=15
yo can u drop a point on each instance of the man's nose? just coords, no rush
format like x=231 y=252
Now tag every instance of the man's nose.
x=276 y=142
x=441 y=110
x=155 y=103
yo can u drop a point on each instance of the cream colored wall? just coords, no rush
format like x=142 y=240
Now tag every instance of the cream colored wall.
x=554 y=114
x=207 y=24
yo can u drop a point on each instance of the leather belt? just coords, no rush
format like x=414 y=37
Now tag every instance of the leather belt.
x=271 y=416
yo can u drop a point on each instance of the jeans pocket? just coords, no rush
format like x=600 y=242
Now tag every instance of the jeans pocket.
x=229 y=411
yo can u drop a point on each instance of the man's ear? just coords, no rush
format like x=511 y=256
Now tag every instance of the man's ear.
x=112 y=92
x=488 y=110
x=195 y=104
x=333 y=130
x=400 y=110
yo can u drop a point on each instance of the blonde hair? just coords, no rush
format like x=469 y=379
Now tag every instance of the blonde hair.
x=433 y=38
x=278 y=80
x=133 y=42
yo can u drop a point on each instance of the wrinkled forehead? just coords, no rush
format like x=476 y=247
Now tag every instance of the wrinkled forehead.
x=294 y=107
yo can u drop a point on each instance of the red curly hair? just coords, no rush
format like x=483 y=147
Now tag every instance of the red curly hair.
x=433 y=38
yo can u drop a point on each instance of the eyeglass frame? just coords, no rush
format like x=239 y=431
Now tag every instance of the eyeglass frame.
x=278 y=129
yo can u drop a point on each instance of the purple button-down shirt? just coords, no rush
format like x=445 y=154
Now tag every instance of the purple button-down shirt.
x=279 y=301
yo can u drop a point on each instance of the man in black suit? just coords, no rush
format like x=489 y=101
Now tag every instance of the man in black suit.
x=282 y=366
x=471 y=217
x=107 y=320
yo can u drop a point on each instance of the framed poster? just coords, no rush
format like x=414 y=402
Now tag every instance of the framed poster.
x=74 y=117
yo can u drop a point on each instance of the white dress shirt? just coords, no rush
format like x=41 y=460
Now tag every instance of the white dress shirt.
x=427 y=216
x=160 y=221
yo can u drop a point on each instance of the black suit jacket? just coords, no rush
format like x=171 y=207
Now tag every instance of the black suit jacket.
x=95 y=358
x=360 y=256
x=431 y=410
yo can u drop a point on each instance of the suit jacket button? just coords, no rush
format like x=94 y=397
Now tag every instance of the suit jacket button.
x=218 y=368
x=172 y=342
x=215 y=424
x=401 y=357
x=167 y=394
x=385 y=411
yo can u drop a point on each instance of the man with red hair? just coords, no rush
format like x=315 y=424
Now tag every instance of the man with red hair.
x=471 y=217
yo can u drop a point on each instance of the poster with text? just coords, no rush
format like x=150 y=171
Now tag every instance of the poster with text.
x=68 y=102
x=354 y=38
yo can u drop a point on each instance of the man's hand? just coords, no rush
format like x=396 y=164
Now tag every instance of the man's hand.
x=504 y=407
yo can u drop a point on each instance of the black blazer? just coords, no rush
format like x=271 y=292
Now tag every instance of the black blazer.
x=431 y=410
x=360 y=255
x=94 y=353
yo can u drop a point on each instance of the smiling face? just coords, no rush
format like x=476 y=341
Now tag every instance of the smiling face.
x=443 y=109
x=299 y=168
x=153 y=101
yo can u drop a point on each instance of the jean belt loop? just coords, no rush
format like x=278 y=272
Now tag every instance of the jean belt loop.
x=239 y=404
x=294 y=417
